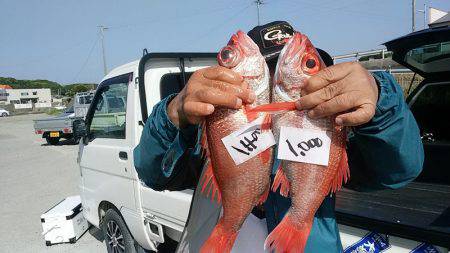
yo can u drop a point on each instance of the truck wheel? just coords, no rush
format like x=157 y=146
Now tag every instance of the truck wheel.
x=117 y=236
x=52 y=140
x=4 y=114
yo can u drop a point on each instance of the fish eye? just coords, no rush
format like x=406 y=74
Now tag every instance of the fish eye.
x=310 y=63
x=228 y=57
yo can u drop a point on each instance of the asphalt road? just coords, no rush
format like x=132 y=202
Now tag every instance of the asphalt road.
x=34 y=177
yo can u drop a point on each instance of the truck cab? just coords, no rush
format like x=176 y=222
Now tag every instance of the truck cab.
x=113 y=197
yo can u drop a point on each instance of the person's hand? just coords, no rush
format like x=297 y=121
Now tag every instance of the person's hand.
x=346 y=89
x=206 y=89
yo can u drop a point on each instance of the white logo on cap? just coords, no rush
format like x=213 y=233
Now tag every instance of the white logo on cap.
x=276 y=35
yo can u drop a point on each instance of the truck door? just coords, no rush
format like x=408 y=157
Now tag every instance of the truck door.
x=106 y=171
x=162 y=75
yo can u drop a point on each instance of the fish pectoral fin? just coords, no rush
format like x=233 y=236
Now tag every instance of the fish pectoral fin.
x=251 y=115
x=281 y=181
x=204 y=139
x=264 y=196
x=209 y=179
x=267 y=122
x=342 y=173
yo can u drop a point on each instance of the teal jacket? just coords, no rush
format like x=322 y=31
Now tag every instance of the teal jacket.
x=384 y=153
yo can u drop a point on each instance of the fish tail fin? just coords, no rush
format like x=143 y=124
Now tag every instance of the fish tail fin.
x=221 y=240
x=342 y=173
x=281 y=181
x=209 y=179
x=288 y=237
x=264 y=196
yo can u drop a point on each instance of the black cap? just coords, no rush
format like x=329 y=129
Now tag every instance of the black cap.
x=271 y=37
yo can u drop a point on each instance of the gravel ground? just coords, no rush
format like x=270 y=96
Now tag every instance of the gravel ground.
x=35 y=176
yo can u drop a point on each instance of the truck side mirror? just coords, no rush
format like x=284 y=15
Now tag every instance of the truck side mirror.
x=79 y=129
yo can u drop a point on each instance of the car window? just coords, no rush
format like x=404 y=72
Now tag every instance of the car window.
x=430 y=58
x=108 y=120
x=429 y=107
x=172 y=83
x=84 y=100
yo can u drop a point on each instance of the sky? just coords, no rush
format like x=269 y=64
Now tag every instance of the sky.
x=59 y=40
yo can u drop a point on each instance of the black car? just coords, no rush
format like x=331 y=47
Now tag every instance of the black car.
x=420 y=211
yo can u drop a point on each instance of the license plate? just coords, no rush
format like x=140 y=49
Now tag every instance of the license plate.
x=54 y=134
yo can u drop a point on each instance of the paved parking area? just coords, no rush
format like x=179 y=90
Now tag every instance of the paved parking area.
x=34 y=177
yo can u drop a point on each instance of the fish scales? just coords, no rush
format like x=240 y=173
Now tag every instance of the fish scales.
x=308 y=184
x=241 y=187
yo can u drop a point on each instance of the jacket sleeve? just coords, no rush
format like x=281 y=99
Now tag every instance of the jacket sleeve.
x=386 y=152
x=162 y=144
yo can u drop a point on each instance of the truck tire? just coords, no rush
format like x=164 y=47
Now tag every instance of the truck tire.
x=52 y=140
x=4 y=114
x=118 y=238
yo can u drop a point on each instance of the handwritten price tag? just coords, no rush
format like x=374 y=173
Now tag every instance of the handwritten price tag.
x=304 y=145
x=248 y=141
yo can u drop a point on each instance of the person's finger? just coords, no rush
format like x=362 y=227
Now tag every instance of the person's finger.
x=197 y=109
x=336 y=105
x=218 y=98
x=360 y=116
x=327 y=75
x=326 y=93
x=220 y=73
x=243 y=93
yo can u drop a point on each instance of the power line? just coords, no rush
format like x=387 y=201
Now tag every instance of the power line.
x=214 y=28
x=145 y=23
x=87 y=59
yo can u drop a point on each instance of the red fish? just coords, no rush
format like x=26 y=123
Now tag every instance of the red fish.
x=307 y=184
x=239 y=187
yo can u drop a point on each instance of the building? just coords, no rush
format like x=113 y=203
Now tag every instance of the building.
x=25 y=96
x=438 y=18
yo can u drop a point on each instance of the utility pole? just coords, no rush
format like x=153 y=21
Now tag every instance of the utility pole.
x=102 y=36
x=424 y=11
x=413 y=15
x=258 y=3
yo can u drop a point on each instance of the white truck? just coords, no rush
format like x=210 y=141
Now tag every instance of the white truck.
x=134 y=217
x=55 y=128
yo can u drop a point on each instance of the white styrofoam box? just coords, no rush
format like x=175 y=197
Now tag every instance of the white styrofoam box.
x=64 y=222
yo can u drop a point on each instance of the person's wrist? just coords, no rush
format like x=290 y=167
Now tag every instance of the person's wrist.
x=172 y=111
x=377 y=83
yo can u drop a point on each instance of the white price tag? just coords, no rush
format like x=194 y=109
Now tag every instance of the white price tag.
x=304 y=145
x=248 y=141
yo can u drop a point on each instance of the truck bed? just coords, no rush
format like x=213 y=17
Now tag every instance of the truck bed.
x=54 y=124
x=418 y=211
